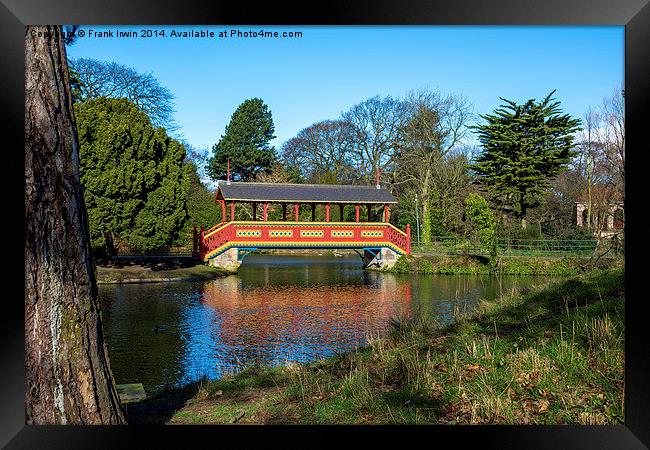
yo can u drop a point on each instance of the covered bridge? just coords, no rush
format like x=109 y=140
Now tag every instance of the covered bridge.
x=378 y=242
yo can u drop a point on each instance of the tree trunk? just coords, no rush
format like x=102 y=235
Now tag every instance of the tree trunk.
x=524 y=211
x=426 y=213
x=67 y=370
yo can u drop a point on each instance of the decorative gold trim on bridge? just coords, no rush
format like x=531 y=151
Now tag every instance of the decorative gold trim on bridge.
x=249 y=233
x=280 y=233
x=312 y=233
x=372 y=233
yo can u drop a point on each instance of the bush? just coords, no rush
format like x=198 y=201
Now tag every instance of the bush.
x=483 y=221
x=425 y=266
x=402 y=265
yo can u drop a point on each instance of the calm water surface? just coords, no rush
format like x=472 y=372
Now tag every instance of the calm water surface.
x=276 y=310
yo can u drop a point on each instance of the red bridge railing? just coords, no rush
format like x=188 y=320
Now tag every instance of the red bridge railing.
x=342 y=235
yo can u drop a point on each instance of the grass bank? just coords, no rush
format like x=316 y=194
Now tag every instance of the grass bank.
x=511 y=265
x=554 y=354
x=143 y=270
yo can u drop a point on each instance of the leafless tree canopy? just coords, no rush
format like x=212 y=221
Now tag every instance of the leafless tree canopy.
x=601 y=147
x=376 y=125
x=323 y=152
x=110 y=79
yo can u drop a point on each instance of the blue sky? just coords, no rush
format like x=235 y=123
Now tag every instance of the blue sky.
x=329 y=69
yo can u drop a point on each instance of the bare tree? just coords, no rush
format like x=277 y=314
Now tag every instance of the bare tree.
x=427 y=159
x=612 y=135
x=323 y=152
x=589 y=151
x=67 y=369
x=601 y=161
x=109 y=79
x=376 y=123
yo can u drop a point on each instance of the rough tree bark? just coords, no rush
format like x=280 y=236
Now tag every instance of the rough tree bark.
x=68 y=376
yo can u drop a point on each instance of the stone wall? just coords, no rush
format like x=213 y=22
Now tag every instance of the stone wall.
x=227 y=260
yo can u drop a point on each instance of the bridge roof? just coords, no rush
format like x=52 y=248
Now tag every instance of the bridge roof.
x=305 y=193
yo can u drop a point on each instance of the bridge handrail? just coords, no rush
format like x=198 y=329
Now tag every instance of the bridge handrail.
x=216 y=229
x=395 y=228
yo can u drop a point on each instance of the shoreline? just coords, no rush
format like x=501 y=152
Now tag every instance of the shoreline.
x=157 y=271
x=561 y=266
x=159 y=280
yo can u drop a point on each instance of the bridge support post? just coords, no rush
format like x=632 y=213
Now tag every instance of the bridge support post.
x=223 y=210
x=408 y=238
x=227 y=261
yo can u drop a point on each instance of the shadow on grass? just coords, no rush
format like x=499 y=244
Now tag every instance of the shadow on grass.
x=161 y=407
x=243 y=387
x=404 y=399
x=545 y=309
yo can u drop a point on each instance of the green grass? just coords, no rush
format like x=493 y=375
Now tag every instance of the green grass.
x=512 y=265
x=553 y=354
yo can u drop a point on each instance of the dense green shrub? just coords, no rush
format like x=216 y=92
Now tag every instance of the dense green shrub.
x=135 y=183
x=482 y=220
x=425 y=266
x=402 y=265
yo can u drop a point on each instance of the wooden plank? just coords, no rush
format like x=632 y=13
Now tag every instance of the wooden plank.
x=130 y=393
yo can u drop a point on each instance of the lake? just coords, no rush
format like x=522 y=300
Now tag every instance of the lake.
x=277 y=309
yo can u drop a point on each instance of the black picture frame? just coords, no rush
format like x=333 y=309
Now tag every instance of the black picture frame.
x=633 y=14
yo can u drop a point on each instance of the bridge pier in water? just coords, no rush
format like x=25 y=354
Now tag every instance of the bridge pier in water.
x=228 y=261
x=381 y=258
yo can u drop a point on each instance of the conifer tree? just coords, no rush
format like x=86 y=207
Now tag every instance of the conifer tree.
x=133 y=175
x=525 y=146
x=246 y=143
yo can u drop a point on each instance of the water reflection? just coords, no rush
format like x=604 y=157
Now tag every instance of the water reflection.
x=276 y=310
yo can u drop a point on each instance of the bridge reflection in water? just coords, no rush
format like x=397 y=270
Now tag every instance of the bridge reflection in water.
x=273 y=324
x=276 y=310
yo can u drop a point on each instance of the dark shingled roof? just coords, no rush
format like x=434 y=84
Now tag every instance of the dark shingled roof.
x=307 y=193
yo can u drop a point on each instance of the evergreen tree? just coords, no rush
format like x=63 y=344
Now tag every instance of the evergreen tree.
x=133 y=175
x=201 y=206
x=525 y=146
x=245 y=143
